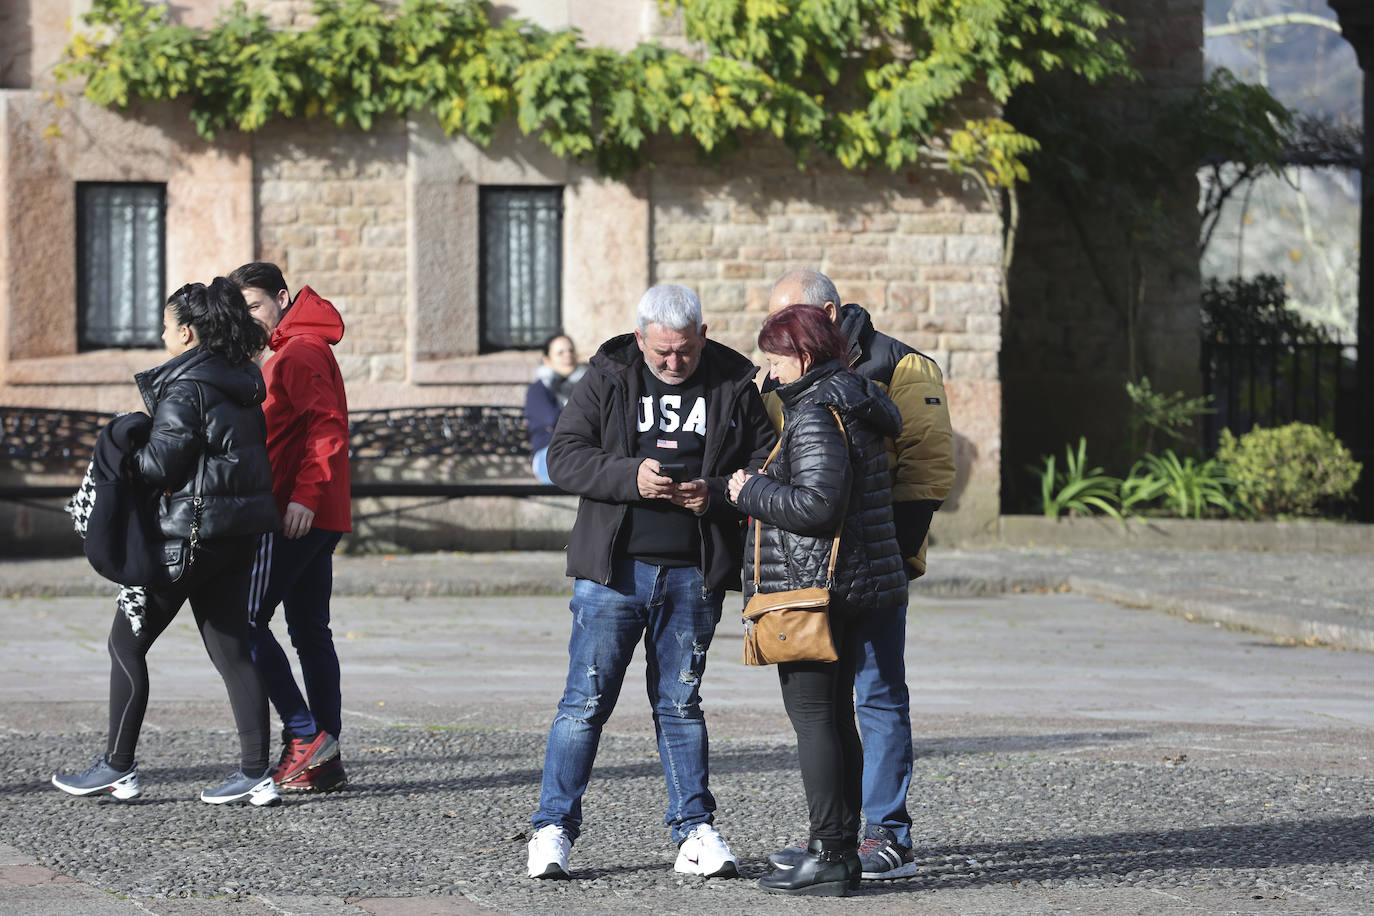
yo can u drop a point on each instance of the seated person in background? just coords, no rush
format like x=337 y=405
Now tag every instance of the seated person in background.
x=548 y=395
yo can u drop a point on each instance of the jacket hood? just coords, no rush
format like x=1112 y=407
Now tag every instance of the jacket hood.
x=309 y=313
x=622 y=353
x=855 y=397
x=857 y=325
x=242 y=384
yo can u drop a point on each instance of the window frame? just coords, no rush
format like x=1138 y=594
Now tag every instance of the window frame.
x=486 y=193
x=83 y=286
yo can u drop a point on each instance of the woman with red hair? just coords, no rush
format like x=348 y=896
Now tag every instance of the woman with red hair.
x=821 y=480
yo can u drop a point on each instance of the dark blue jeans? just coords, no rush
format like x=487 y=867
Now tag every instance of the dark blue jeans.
x=676 y=615
x=299 y=575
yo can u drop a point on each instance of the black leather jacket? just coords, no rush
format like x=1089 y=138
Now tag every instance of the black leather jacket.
x=814 y=481
x=207 y=421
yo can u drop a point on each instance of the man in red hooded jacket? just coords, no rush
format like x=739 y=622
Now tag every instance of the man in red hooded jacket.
x=307 y=443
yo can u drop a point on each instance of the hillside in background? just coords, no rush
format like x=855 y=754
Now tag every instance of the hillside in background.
x=1304 y=225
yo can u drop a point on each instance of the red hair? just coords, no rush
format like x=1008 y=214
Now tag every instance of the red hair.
x=805 y=332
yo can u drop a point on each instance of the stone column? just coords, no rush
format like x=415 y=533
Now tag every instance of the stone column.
x=1357 y=25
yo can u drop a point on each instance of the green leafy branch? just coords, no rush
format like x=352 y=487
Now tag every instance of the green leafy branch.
x=865 y=82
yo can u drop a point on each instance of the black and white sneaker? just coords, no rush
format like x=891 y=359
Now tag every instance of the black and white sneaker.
x=99 y=778
x=883 y=857
x=244 y=790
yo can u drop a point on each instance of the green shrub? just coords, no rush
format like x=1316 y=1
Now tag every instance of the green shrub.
x=1290 y=470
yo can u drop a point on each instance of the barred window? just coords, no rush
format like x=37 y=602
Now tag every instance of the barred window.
x=121 y=251
x=521 y=233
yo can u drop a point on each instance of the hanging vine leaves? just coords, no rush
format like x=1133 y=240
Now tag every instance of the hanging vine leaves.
x=866 y=82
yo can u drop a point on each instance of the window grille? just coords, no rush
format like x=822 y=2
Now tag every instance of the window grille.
x=121 y=253
x=521 y=266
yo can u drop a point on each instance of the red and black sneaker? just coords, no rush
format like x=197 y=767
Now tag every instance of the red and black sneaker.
x=327 y=777
x=301 y=755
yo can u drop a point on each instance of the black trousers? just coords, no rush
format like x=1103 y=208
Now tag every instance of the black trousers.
x=217 y=587
x=819 y=698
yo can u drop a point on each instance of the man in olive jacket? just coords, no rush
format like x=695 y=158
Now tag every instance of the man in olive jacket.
x=648 y=440
x=922 y=460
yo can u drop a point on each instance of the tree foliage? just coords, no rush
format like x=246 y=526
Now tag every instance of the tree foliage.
x=867 y=82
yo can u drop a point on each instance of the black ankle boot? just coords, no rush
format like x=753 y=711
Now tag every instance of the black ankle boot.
x=824 y=871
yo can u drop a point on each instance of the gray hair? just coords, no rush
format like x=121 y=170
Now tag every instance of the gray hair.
x=816 y=288
x=674 y=307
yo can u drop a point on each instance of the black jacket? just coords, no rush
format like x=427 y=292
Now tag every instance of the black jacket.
x=207 y=420
x=593 y=449
x=814 y=481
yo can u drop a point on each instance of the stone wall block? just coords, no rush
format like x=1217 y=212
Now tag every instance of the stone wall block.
x=855 y=254
x=741 y=270
x=916 y=249
x=973 y=249
x=679 y=271
x=336 y=193
x=384 y=236
x=908 y=297
x=985 y=324
x=966 y=365
x=283 y=214
x=965 y=298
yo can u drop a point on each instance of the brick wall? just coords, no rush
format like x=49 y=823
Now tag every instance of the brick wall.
x=332 y=212
x=919 y=249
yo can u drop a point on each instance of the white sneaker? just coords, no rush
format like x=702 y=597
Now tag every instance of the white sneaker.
x=704 y=853
x=549 y=848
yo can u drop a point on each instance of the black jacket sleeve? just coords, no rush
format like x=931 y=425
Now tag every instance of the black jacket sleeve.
x=578 y=460
x=755 y=434
x=175 y=441
x=813 y=501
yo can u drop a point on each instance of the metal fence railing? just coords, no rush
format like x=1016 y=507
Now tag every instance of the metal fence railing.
x=1275 y=384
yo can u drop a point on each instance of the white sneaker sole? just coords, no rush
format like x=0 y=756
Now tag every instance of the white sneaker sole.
x=264 y=794
x=728 y=868
x=124 y=788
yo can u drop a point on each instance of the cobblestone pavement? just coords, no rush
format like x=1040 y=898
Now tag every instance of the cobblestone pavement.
x=1073 y=755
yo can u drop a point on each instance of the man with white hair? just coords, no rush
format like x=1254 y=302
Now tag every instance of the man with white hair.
x=648 y=440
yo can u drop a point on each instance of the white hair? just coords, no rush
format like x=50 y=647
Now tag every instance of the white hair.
x=674 y=307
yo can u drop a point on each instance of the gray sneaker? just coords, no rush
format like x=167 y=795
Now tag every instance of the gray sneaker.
x=883 y=857
x=244 y=790
x=100 y=777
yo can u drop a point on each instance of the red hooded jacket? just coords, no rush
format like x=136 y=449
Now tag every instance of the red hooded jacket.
x=307 y=413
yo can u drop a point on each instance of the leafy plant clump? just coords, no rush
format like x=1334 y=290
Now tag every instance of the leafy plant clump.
x=1290 y=470
x=1183 y=487
x=866 y=82
x=1077 y=490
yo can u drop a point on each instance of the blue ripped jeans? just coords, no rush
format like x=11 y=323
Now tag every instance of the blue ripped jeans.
x=676 y=615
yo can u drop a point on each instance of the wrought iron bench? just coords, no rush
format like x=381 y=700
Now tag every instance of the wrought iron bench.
x=62 y=440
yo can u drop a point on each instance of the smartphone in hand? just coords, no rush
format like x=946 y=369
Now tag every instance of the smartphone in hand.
x=675 y=472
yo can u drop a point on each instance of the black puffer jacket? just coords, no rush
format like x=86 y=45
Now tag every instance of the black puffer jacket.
x=206 y=413
x=813 y=481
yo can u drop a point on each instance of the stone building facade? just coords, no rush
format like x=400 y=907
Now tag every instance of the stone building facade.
x=386 y=224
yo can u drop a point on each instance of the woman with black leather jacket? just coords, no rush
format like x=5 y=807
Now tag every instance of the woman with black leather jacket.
x=822 y=480
x=206 y=451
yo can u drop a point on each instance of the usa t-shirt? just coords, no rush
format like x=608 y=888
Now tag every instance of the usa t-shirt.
x=670 y=423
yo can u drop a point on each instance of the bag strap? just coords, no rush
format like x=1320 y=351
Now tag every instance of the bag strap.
x=197 y=500
x=835 y=541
